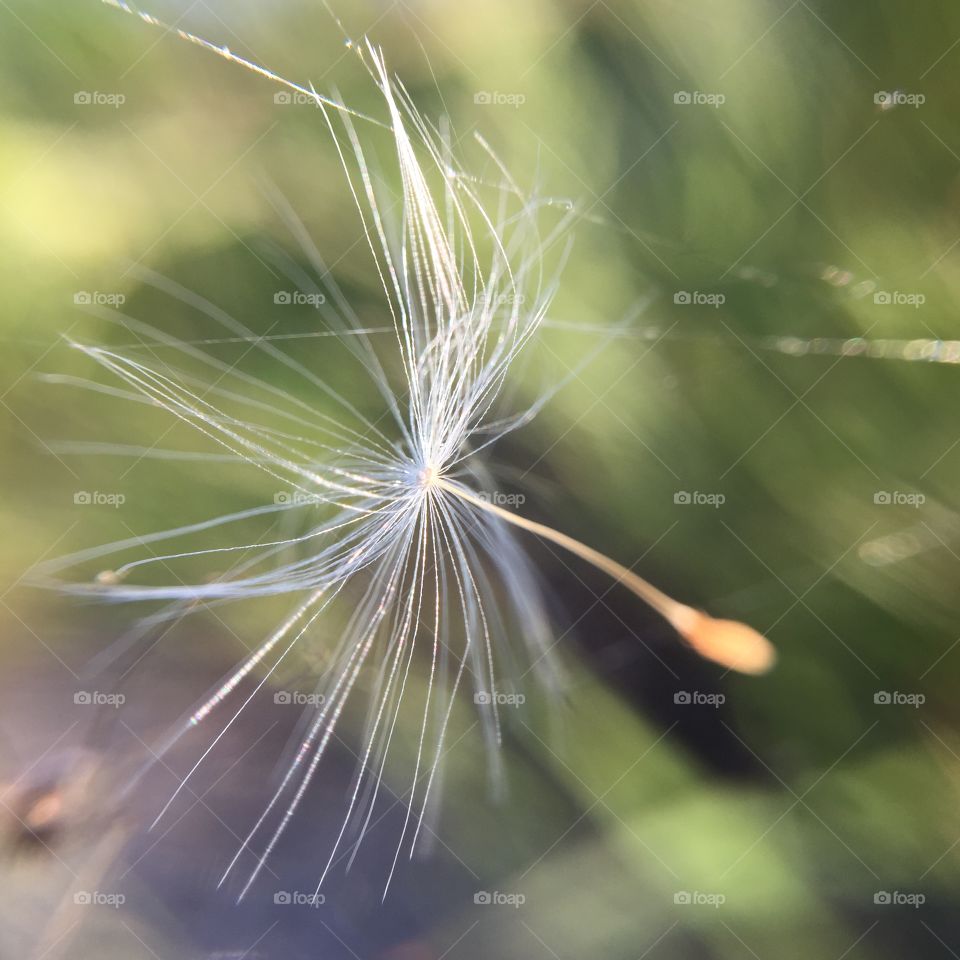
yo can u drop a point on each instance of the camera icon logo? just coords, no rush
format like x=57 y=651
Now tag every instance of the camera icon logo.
x=482 y=97
x=82 y=298
x=882 y=98
x=282 y=696
x=882 y=897
x=682 y=96
x=83 y=697
x=282 y=897
x=882 y=497
x=283 y=96
x=681 y=496
x=883 y=697
x=282 y=297
x=83 y=97
x=82 y=898
x=482 y=697
x=682 y=696
x=682 y=297
x=282 y=497
x=682 y=897
x=482 y=897
x=82 y=498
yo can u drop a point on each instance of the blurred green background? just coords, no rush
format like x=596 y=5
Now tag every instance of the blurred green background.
x=736 y=155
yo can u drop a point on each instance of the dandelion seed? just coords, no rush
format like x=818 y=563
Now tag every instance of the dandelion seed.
x=397 y=523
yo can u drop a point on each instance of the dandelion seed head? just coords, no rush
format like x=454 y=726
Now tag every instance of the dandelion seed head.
x=465 y=287
x=434 y=572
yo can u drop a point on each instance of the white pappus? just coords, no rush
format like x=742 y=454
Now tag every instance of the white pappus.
x=434 y=569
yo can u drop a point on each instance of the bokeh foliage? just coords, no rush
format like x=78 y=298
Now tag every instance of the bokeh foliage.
x=798 y=199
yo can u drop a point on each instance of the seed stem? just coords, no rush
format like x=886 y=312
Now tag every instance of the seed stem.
x=733 y=644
